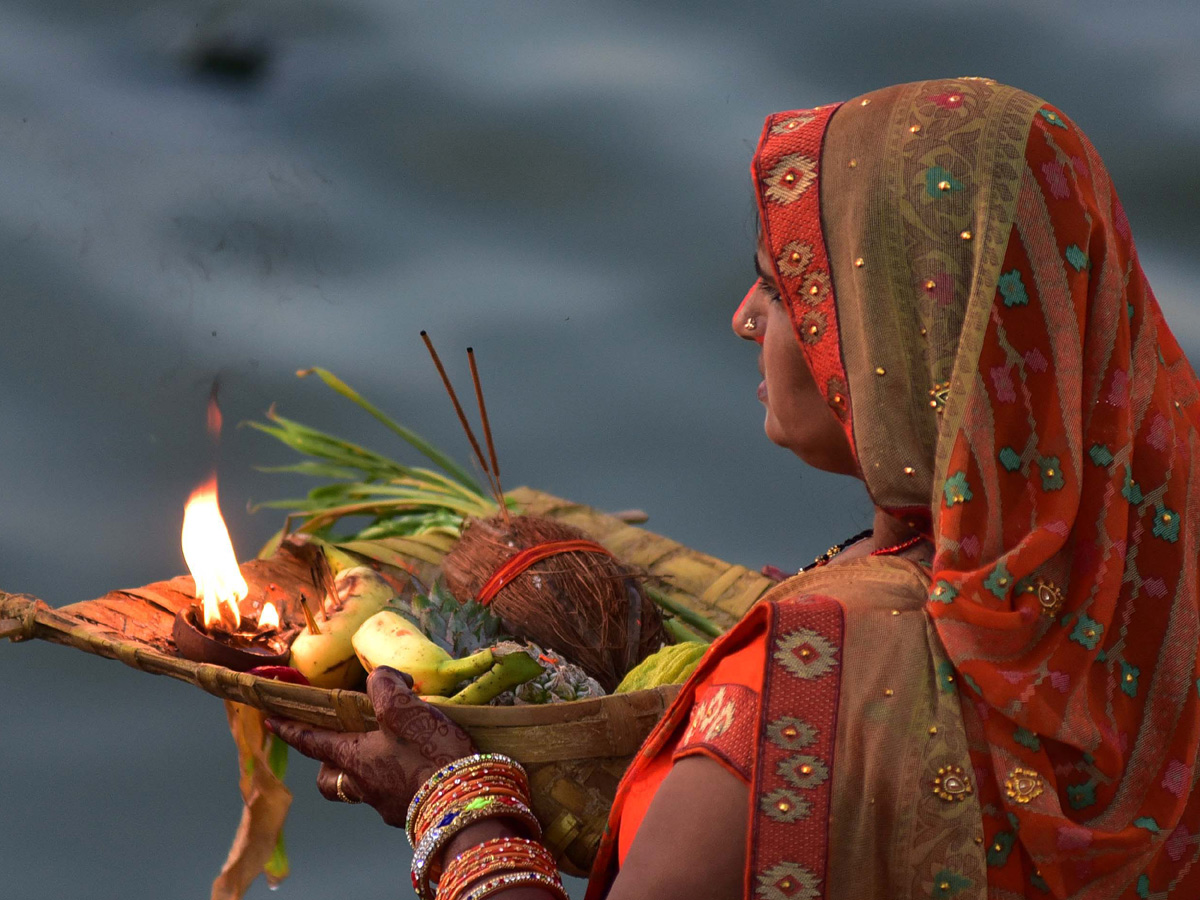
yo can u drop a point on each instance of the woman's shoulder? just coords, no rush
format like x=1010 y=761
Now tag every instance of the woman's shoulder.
x=869 y=583
x=867 y=601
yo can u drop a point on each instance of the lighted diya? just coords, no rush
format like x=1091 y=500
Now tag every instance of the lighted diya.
x=224 y=626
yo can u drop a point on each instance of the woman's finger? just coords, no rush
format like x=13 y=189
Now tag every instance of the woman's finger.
x=406 y=717
x=389 y=671
x=327 y=781
x=317 y=743
x=327 y=784
x=391 y=695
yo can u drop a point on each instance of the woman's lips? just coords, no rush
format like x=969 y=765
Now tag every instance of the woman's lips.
x=762 y=391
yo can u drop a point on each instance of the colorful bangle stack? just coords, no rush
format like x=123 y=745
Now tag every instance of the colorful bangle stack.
x=488 y=766
x=485 y=779
x=475 y=873
x=469 y=790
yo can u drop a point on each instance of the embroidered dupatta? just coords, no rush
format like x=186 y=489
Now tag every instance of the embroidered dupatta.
x=1012 y=382
x=963 y=281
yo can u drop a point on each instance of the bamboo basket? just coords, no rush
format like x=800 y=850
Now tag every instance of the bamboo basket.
x=575 y=752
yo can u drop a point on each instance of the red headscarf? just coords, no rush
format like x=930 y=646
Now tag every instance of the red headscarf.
x=963 y=281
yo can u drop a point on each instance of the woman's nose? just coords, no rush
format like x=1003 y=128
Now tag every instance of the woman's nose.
x=746 y=324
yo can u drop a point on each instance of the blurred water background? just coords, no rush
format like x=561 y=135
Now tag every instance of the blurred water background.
x=191 y=188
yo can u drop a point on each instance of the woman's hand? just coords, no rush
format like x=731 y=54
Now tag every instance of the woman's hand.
x=386 y=767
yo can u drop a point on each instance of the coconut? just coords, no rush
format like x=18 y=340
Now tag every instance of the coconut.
x=584 y=604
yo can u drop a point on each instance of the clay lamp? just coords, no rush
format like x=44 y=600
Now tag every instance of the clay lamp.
x=223 y=626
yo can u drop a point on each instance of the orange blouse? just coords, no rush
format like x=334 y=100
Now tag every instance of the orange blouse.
x=721 y=726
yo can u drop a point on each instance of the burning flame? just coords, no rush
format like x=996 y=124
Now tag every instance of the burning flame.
x=269 y=617
x=210 y=558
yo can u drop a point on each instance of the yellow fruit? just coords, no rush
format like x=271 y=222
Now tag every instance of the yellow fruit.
x=389 y=639
x=670 y=665
x=327 y=659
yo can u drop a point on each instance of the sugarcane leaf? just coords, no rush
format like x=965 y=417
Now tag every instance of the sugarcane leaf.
x=300 y=505
x=431 y=499
x=315 y=469
x=397 y=557
x=437 y=542
x=330 y=446
x=338 y=491
x=419 y=443
x=408 y=524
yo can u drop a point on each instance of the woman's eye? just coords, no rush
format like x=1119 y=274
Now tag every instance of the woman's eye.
x=772 y=294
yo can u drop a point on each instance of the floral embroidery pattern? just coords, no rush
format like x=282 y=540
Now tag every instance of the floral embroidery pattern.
x=722 y=724
x=999 y=581
x=1130 y=490
x=1077 y=258
x=1052 y=117
x=1012 y=289
x=791 y=733
x=789 y=125
x=1027 y=739
x=788 y=881
x=812 y=327
x=1081 y=796
x=1129 y=678
x=790 y=840
x=939 y=182
x=945 y=676
x=1087 y=631
x=806 y=654
x=794 y=259
x=1002 y=845
x=1052 y=476
x=789 y=178
x=956 y=489
x=948 y=884
x=815 y=288
x=1166 y=524
x=785 y=806
x=710 y=718
x=803 y=771
x=943 y=592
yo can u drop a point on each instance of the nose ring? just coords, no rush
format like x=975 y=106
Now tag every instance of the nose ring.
x=750 y=324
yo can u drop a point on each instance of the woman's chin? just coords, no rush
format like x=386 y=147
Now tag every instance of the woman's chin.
x=809 y=449
x=780 y=436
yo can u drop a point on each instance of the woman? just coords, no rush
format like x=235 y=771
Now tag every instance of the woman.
x=995 y=694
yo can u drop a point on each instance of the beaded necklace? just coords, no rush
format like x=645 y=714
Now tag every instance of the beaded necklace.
x=833 y=551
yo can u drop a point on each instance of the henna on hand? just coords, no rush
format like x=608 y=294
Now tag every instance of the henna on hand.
x=383 y=768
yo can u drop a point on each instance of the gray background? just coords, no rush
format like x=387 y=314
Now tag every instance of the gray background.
x=561 y=185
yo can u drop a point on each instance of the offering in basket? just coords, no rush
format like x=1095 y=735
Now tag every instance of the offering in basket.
x=413 y=560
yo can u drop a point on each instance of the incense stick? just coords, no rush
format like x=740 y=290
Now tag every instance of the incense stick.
x=462 y=416
x=487 y=431
x=309 y=621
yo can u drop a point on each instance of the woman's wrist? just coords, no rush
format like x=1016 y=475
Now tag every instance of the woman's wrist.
x=478 y=833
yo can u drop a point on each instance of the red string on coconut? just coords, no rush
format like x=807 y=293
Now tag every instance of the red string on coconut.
x=521 y=561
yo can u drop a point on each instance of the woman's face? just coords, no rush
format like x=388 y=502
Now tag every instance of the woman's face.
x=797 y=416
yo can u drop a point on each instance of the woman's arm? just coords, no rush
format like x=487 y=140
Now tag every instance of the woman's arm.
x=691 y=844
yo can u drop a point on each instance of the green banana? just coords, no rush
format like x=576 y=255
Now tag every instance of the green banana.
x=328 y=659
x=389 y=639
x=514 y=666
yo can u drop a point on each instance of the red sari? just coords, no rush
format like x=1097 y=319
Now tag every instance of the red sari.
x=964 y=284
